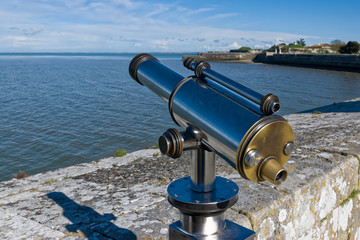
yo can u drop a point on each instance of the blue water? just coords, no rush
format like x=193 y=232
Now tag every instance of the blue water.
x=58 y=110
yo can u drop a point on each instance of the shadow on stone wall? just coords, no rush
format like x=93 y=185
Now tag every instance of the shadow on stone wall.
x=353 y=106
x=85 y=219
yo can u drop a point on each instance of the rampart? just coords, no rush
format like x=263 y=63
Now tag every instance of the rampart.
x=333 y=61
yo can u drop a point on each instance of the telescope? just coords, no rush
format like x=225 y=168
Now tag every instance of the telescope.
x=223 y=117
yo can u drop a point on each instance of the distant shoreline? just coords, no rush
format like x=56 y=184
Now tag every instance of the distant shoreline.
x=340 y=62
x=81 y=53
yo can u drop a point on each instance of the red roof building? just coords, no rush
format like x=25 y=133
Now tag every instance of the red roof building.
x=321 y=45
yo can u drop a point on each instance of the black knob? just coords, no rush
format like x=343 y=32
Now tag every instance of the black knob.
x=171 y=143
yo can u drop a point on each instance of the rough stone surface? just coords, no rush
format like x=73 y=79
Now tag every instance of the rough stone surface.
x=125 y=198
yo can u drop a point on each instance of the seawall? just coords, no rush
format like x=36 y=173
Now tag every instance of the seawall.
x=346 y=62
x=125 y=198
x=333 y=61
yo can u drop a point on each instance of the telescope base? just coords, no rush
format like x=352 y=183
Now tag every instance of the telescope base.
x=202 y=214
x=231 y=231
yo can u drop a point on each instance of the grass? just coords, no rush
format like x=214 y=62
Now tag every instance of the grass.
x=51 y=181
x=120 y=153
x=21 y=175
x=352 y=195
x=156 y=146
x=316 y=112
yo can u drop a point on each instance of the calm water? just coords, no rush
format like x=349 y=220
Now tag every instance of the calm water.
x=58 y=110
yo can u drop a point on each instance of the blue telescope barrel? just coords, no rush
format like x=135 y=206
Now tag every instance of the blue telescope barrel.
x=255 y=144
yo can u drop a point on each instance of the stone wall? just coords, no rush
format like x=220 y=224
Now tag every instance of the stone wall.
x=125 y=198
x=307 y=50
x=344 y=61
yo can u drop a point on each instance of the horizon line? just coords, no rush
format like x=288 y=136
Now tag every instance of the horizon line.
x=87 y=52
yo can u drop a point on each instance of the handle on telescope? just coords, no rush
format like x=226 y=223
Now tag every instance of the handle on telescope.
x=261 y=104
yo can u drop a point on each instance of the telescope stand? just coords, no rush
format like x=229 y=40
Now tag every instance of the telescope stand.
x=202 y=200
x=223 y=116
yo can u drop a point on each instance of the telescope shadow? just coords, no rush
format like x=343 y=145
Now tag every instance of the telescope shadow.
x=85 y=219
x=352 y=106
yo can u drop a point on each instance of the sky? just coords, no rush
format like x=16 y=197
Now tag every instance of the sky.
x=171 y=26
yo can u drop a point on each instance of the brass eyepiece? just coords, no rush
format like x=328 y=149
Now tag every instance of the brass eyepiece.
x=270 y=170
x=270 y=104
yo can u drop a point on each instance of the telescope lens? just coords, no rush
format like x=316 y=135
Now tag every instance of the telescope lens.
x=164 y=145
x=276 y=107
x=281 y=177
x=270 y=104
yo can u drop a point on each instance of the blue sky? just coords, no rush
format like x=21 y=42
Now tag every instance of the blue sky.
x=176 y=26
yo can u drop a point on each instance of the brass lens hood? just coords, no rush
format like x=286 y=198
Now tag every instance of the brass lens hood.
x=268 y=136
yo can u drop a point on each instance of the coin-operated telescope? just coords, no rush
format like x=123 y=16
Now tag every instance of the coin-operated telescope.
x=223 y=117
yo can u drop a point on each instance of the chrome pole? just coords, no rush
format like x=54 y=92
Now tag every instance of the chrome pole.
x=204 y=225
x=202 y=170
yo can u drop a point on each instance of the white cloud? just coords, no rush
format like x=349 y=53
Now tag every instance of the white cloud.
x=234 y=45
x=161 y=8
x=16 y=38
x=32 y=31
x=160 y=44
x=222 y=15
x=121 y=25
x=126 y=3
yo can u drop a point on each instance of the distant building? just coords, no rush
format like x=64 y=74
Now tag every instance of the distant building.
x=281 y=45
x=321 y=45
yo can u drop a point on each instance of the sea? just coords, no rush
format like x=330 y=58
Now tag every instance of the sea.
x=61 y=109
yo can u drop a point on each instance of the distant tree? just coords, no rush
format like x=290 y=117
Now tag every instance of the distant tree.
x=272 y=49
x=350 y=47
x=336 y=42
x=301 y=42
x=242 y=49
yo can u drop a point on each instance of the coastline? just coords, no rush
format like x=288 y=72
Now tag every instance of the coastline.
x=340 y=62
x=126 y=196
